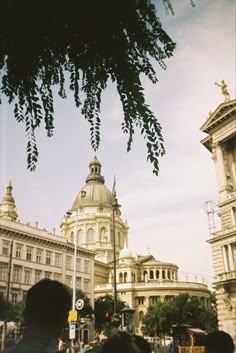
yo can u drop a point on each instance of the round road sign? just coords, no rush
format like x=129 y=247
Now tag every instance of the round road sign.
x=79 y=304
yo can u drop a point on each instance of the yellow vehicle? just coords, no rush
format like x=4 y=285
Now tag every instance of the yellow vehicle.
x=188 y=339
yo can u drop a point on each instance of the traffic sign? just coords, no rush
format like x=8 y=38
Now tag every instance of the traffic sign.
x=79 y=304
x=72 y=316
x=72 y=331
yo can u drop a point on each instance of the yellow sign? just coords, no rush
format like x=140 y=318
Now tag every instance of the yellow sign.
x=72 y=316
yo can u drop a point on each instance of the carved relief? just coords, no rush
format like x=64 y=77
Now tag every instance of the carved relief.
x=225 y=153
x=226 y=299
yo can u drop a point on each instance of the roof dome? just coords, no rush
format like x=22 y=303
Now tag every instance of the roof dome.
x=94 y=192
x=125 y=253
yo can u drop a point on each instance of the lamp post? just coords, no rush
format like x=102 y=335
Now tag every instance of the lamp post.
x=75 y=258
x=74 y=267
x=115 y=207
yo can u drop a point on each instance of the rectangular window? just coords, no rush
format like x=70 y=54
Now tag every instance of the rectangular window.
x=5 y=248
x=140 y=300
x=86 y=266
x=39 y=256
x=48 y=275
x=27 y=279
x=78 y=282
x=3 y=272
x=154 y=300
x=233 y=215
x=86 y=285
x=57 y=277
x=38 y=276
x=78 y=264
x=18 y=251
x=68 y=262
x=68 y=281
x=48 y=257
x=17 y=274
x=57 y=259
x=29 y=252
x=14 y=297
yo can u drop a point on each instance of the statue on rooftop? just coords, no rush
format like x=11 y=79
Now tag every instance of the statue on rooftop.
x=224 y=90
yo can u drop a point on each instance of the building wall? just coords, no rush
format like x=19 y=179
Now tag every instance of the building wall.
x=221 y=142
x=38 y=254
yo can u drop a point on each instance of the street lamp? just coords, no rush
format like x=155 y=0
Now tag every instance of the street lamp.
x=74 y=260
x=74 y=273
x=115 y=207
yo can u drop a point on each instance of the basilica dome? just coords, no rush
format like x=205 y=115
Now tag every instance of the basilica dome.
x=94 y=192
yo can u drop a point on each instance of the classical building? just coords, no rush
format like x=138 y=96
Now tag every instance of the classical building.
x=220 y=141
x=141 y=280
x=36 y=253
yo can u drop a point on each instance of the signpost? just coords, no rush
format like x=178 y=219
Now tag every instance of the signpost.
x=72 y=316
x=79 y=304
x=72 y=329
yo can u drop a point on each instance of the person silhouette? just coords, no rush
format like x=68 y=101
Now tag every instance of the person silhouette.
x=46 y=311
x=219 y=342
x=120 y=341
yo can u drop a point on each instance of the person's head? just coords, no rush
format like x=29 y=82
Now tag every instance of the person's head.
x=120 y=342
x=142 y=344
x=46 y=307
x=219 y=342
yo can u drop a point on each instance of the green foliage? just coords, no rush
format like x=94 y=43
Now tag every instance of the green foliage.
x=91 y=42
x=182 y=309
x=15 y=311
x=103 y=305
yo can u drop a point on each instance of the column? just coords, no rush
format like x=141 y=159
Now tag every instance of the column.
x=225 y=258
x=231 y=261
x=220 y=169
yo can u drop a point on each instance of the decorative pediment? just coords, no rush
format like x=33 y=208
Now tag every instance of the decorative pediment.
x=224 y=111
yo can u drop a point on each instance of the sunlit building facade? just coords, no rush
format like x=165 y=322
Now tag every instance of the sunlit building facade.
x=141 y=279
x=220 y=141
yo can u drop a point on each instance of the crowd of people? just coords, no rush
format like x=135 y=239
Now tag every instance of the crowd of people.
x=46 y=312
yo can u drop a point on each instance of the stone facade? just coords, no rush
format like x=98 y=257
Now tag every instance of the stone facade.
x=36 y=254
x=220 y=128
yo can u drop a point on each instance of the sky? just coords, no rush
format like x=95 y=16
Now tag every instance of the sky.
x=165 y=214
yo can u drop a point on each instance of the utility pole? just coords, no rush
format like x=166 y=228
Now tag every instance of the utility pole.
x=4 y=331
x=115 y=207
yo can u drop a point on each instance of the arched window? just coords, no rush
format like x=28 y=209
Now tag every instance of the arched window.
x=120 y=277
x=80 y=236
x=168 y=274
x=151 y=274
x=145 y=274
x=157 y=274
x=90 y=235
x=140 y=316
x=72 y=237
x=125 y=277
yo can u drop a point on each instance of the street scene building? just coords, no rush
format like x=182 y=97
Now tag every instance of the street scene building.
x=220 y=141
x=141 y=280
x=36 y=253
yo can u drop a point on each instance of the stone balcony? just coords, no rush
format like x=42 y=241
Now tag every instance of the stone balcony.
x=159 y=285
x=225 y=277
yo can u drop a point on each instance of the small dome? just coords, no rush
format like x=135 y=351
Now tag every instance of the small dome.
x=94 y=192
x=125 y=253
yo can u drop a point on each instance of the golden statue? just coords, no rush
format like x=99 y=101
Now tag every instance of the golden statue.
x=224 y=90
